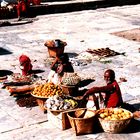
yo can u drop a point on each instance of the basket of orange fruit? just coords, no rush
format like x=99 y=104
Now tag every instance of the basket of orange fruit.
x=114 y=120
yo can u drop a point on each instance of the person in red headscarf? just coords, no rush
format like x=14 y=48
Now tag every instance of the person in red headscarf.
x=25 y=65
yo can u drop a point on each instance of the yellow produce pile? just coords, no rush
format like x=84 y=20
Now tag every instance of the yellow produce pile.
x=72 y=102
x=114 y=114
x=47 y=90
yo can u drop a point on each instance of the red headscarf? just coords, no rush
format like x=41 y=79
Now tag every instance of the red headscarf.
x=26 y=63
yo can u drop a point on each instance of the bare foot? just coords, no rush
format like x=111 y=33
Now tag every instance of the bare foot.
x=19 y=19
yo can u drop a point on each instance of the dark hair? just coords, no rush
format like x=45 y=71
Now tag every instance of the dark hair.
x=111 y=73
x=64 y=58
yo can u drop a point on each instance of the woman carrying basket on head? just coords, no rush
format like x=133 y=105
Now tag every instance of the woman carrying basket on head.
x=60 y=65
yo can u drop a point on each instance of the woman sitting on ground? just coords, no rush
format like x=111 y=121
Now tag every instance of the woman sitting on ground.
x=60 y=65
x=25 y=65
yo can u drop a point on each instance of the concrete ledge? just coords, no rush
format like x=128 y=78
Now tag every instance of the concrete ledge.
x=77 y=5
x=71 y=6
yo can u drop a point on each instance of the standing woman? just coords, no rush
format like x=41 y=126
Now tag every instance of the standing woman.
x=22 y=8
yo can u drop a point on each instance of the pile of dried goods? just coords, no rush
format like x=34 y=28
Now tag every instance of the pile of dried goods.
x=26 y=101
x=70 y=79
x=103 y=52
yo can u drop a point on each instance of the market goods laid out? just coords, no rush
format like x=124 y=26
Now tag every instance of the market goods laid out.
x=70 y=83
x=18 y=84
x=114 y=114
x=82 y=120
x=59 y=103
x=43 y=91
x=53 y=97
x=63 y=109
x=104 y=52
x=26 y=101
x=21 y=87
x=47 y=90
x=112 y=120
x=70 y=79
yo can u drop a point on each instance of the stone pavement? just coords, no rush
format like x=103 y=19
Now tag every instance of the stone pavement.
x=81 y=30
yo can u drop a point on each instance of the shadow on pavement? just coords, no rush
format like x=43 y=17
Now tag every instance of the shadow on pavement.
x=78 y=6
x=71 y=55
x=5 y=73
x=37 y=71
x=85 y=82
x=7 y=23
x=137 y=106
x=133 y=127
x=4 y=51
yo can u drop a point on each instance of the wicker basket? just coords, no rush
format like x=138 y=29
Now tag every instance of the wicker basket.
x=69 y=90
x=40 y=102
x=58 y=119
x=81 y=125
x=55 y=47
x=54 y=112
x=115 y=126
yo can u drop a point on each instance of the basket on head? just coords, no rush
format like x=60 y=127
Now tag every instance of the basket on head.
x=82 y=120
x=55 y=47
x=55 y=51
x=117 y=123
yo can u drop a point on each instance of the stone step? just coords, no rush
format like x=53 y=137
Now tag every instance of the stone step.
x=62 y=6
x=76 y=5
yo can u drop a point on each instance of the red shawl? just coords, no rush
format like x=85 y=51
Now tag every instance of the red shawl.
x=26 y=63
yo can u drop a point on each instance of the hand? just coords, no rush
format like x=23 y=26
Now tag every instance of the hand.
x=79 y=98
